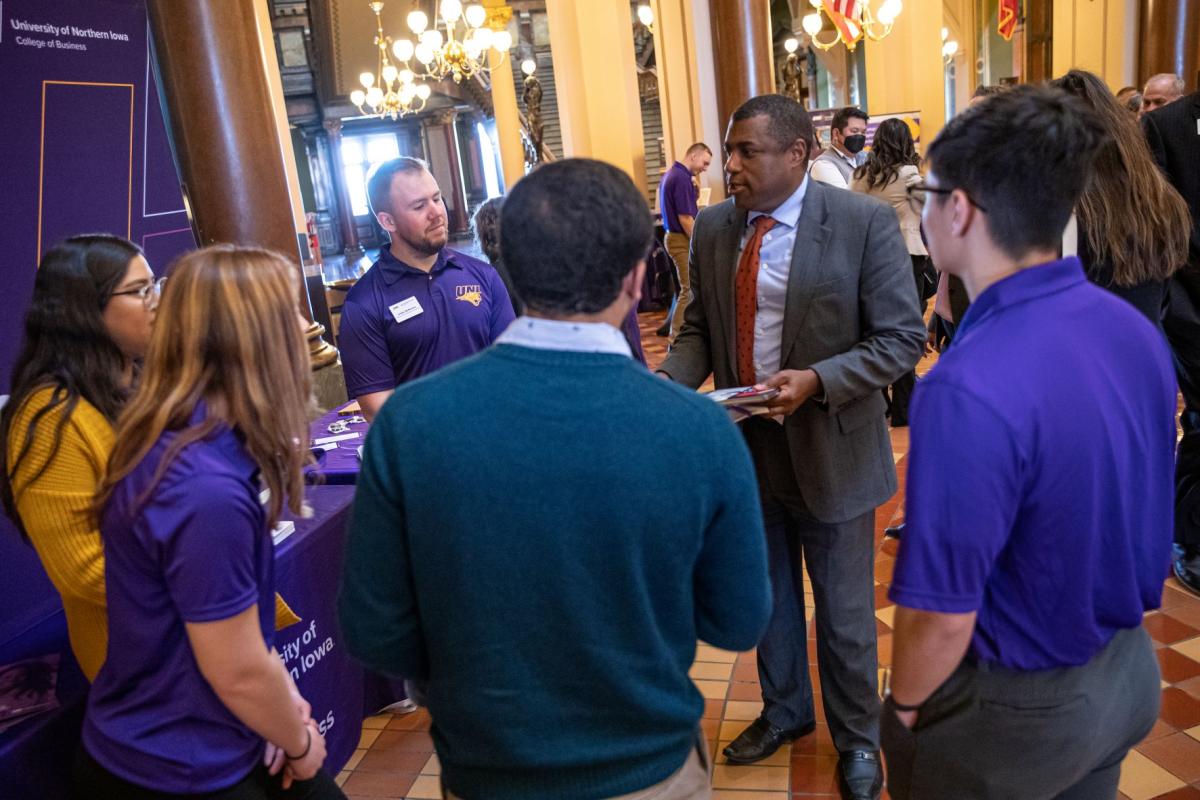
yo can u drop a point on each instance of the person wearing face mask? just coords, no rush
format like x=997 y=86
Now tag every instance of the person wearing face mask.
x=847 y=137
x=422 y=305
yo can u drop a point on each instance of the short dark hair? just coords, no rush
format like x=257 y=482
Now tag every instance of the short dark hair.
x=788 y=119
x=570 y=232
x=697 y=147
x=989 y=90
x=1023 y=155
x=842 y=117
x=379 y=185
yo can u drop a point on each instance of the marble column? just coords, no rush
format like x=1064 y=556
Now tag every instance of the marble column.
x=350 y=243
x=595 y=77
x=223 y=125
x=745 y=57
x=225 y=104
x=445 y=162
x=1169 y=40
x=504 y=99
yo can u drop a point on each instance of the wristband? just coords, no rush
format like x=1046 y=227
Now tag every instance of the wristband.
x=307 y=747
x=901 y=707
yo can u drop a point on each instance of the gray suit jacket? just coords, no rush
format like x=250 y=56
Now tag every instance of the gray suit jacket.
x=851 y=315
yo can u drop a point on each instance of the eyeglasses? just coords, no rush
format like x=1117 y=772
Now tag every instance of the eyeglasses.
x=148 y=294
x=916 y=195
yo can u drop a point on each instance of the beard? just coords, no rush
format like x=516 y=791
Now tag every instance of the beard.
x=426 y=243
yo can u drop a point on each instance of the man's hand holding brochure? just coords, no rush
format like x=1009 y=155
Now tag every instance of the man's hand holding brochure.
x=743 y=402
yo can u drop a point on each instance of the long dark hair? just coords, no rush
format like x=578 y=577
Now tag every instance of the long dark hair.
x=892 y=149
x=1131 y=214
x=225 y=333
x=67 y=348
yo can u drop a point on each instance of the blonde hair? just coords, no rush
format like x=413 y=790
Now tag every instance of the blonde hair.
x=227 y=333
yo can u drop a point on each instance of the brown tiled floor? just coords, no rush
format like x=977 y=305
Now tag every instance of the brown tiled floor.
x=396 y=760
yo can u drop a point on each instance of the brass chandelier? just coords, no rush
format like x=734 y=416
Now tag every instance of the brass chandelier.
x=458 y=50
x=390 y=91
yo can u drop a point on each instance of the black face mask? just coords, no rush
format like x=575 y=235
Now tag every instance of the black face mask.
x=855 y=144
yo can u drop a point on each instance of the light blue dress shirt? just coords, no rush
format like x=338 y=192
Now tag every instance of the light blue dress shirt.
x=775 y=265
x=553 y=334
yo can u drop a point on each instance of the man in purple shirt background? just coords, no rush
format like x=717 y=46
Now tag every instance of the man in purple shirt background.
x=677 y=201
x=1039 y=492
x=422 y=305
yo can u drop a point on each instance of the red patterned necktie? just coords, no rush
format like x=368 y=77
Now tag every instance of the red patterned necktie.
x=745 y=295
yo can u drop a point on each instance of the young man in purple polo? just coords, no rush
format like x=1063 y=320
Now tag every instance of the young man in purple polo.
x=677 y=200
x=1039 y=486
x=422 y=305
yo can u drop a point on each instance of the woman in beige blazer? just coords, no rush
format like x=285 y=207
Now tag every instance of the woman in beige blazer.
x=892 y=167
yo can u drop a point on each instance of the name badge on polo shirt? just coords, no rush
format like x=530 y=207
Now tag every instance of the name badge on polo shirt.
x=406 y=309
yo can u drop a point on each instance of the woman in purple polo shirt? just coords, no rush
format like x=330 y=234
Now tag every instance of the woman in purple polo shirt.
x=192 y=699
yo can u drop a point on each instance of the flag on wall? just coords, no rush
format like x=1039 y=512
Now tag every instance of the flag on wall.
x=1008 y=18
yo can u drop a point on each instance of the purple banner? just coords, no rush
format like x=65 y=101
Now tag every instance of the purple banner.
x=85 y=146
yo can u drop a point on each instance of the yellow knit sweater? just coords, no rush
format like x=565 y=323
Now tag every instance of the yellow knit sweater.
x=55 y=510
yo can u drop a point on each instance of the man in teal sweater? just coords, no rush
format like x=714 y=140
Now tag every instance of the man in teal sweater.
x=510 y=548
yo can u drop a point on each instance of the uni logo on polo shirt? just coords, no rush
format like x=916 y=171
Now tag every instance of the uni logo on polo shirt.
x=472 y=294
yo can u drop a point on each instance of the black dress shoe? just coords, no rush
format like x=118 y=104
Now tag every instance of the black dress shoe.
x=664 y=329
x=860 y=775
x=1185 y=562
x=762 y=739
x=894 y=531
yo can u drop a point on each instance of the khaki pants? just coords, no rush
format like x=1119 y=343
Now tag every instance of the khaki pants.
x=690 y=782
x=677 y=247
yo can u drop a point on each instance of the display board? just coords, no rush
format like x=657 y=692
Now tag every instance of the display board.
x=84 y=143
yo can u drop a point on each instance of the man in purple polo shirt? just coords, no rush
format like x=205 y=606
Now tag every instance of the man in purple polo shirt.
x=677 y=200
x=422 y=305
x=1039 y=486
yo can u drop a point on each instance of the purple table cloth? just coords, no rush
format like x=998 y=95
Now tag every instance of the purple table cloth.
x=35 y=755
x=339 y=465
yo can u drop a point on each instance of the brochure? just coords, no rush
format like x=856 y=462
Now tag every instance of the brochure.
x=743 y=402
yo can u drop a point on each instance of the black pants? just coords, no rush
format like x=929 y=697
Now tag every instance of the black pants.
x=91 y=781
x=1059 y=734
x=1182 y=326
x=1187 y=481
x=902 y=389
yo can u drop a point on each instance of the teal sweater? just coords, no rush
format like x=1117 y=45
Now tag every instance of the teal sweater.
x=542 y=536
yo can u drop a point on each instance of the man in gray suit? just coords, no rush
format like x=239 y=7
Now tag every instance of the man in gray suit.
x=806 y=289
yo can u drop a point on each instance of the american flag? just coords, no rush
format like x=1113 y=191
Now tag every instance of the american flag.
x=847 y=8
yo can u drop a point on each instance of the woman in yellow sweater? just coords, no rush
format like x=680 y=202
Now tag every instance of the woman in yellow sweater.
x=87 y=328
